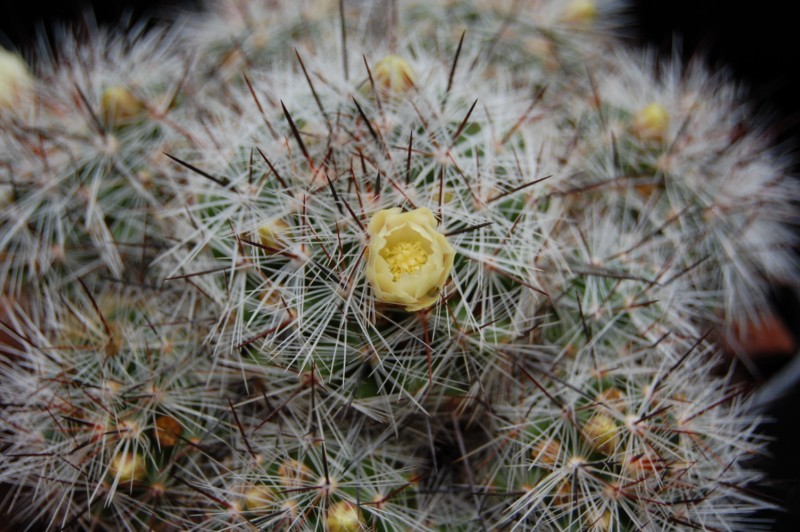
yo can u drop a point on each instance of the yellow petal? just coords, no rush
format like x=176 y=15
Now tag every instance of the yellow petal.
x=408 y=259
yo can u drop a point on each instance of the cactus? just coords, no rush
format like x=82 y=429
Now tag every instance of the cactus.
x=409 y=267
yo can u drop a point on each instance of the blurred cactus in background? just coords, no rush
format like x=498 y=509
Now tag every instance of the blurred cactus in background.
x=385 y=266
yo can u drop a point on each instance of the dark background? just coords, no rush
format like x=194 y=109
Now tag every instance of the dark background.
x=758 y=45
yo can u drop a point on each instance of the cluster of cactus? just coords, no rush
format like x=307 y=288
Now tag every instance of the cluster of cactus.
x=213 y=242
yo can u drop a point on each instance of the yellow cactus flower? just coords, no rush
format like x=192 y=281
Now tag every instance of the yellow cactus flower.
x=14 y=78
x=408 y=260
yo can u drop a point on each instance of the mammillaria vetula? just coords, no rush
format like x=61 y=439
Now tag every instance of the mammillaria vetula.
x=344 y=267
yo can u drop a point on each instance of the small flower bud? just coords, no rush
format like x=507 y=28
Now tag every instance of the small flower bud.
x=128 y=466
x=294 y=474
x=651 y=123
x=643 y=465
x=119 y=107
x=614 y=398
x=258 y=497
x=546 y=452
x=270 y=233
x=345 y=516
x=167 y=431
x=563 y=495
x=393 y=74
x=601 y=431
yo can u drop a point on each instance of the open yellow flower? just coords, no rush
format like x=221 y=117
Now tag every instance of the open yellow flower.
x=408 y=260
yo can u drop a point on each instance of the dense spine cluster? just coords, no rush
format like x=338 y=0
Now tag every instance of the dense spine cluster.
x=194 y=337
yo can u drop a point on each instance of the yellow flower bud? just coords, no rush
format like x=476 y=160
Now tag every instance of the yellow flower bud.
x=644 y=464
x=128 y=466
x=651 y=123
x=258 y=497
x=580 y=12
x=546 y=452
x=601 y=431
x=15 y=78
x=119 y=106
x=393 y=74
x=614 y=398
x=345 y=516
x=293 y=474
x=563 y=495
x=408 y=260
x=270 y=233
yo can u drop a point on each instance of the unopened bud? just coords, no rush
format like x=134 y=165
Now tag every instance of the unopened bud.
x=393 y=74
x=294 y=474
x=345 y=516
x=601 y=431
x=128 y=466
x=270 y=233
x=651 y=123
x=168 y=431
x=546 y=452
x=119 y=107
x=257 y=497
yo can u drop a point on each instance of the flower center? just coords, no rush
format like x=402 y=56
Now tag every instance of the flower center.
x=404 y=257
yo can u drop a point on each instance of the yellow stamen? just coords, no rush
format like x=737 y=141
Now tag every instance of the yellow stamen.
x=404 y=257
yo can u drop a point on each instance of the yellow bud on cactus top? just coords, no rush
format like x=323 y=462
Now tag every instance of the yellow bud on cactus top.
x=393 y=74
x=580 y=12
x=651 y=123
x=546 y=452
x=15 y=78
x=345 y=517
x=409 y=260
x=119 y=106
x=270 y=233
x=601 y=432
x=128 y=466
